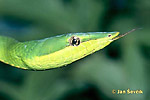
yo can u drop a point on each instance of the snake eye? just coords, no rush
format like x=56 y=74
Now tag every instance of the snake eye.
x=74 y=41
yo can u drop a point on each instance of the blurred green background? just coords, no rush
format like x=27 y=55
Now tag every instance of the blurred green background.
x=123 y=64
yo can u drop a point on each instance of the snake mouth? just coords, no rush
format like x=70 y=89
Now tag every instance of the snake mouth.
x=120 y=36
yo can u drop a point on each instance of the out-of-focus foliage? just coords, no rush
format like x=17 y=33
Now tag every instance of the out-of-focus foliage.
x=123 y=64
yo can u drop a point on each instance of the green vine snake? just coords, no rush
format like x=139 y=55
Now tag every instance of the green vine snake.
x=53 y=52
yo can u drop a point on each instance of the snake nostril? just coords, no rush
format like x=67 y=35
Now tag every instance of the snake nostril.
x=109 y=35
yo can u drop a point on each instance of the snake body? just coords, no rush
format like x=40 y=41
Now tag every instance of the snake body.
x=52 y=52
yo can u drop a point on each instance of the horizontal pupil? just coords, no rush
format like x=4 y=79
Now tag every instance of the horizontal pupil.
x=74 y=41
